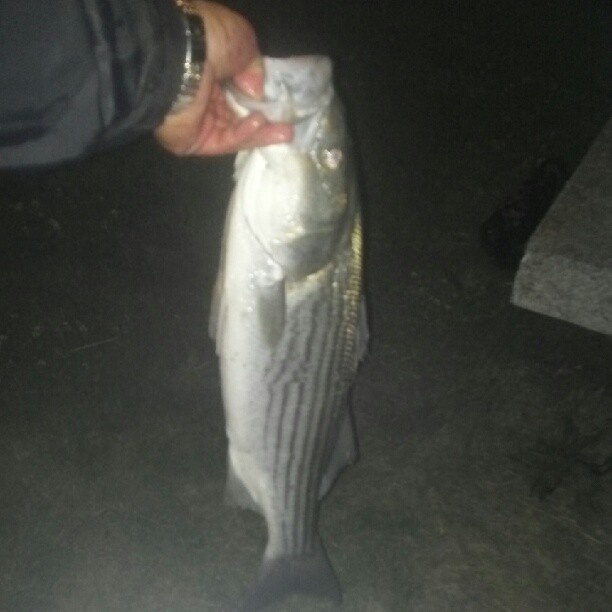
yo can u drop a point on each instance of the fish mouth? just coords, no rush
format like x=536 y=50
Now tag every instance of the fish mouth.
x=294 y=88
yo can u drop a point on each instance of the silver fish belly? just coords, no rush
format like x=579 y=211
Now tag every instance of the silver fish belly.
x=289 y=323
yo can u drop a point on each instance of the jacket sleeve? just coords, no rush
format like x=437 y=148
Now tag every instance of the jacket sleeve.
x=82 y=75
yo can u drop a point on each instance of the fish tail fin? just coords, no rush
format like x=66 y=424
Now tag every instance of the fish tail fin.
x=307 y=574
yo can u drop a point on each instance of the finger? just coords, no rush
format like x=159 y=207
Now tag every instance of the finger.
x=255 y=131
x=251 y=80
x=244 y=134
x=221 y=110
x=270 y=133
x=252 y=131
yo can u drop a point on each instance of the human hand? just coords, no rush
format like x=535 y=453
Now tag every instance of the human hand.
x=208 y=126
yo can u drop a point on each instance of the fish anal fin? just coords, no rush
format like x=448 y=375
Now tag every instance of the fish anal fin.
x=308 y=574
x=236 y=492
x=343 y=454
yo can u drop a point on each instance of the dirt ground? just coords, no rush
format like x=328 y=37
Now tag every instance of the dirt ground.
x=484 y=478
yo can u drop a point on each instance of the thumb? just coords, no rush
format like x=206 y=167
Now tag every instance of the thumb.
x=231 y=43
x=251 y=79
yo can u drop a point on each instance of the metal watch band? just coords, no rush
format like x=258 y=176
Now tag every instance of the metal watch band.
x=195 y=57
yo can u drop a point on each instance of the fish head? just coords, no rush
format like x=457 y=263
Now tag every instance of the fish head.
x=294 y=88
x=300 y=202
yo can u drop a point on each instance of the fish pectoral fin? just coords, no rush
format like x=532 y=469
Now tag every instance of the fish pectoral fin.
x=343 y=454
x=307 y=574
x=271 y=304
x=236 y=492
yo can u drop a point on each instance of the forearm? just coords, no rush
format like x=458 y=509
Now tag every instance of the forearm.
x=80 y=75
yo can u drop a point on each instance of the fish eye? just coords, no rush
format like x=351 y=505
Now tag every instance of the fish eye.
x=331 y=158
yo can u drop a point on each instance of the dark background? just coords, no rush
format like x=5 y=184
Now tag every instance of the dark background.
x=484 y=429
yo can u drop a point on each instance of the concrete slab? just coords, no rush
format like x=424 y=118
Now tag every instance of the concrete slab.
x=566 y=272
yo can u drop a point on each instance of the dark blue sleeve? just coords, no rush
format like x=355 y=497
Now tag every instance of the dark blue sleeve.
x=81 y=75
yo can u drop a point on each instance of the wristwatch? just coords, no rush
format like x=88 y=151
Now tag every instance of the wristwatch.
x=195 y=56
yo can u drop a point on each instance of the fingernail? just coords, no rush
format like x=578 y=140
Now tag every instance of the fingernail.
x=257 y=120
x=283 y=134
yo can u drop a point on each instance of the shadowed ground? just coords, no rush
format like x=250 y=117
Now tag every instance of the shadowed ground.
x=484 y=429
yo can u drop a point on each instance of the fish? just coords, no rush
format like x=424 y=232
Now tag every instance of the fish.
x=289 y=321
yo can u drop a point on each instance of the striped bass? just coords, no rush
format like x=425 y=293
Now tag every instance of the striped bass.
x=289 y=323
